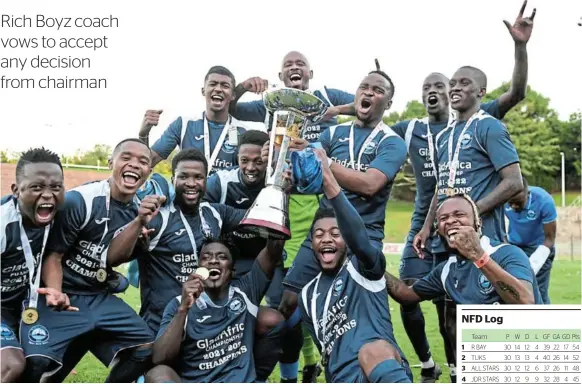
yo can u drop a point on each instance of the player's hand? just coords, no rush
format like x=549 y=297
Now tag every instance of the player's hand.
x=420 y=241
x=298 y=144
x=57 y=300
x=150 y=119
x=520 y=31
x=288 y=179
x=466 y=240
x=265 y=152
x=322 y=156
x=191 y=290
x=255 y=85
x=149 y=207
x=330 y=113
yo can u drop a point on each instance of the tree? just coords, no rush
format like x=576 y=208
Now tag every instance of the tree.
x=99 y=155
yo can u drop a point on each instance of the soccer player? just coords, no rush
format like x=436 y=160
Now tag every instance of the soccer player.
x=345 y=307
x=215 y=133
x=296 y=73
x=76 y=267
x=532 y=227
x=207 y=333
x=27 y=216
x=480 y=270
x=419 y=136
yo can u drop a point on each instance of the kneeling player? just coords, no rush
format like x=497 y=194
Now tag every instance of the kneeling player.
x=215 y=318
x=27 y=216
x=345 y=306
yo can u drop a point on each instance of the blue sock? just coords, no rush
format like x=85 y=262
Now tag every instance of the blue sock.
x=389 y=371
x=294 y=319
x=289 y=370
x=141 y=379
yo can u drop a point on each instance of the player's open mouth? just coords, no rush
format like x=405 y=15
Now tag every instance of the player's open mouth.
x=44 y=212
x=214 y=274
x=191 y=194
x=365 y=105
x=328 y=254
x=252 y=176
x=295 y=77
x=451 y=234
x=130 y=179
x=432 y=100
x=455 y=97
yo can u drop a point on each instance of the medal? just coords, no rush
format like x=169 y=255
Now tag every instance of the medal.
x=101 y=275
x=30 y=316
x=202 y=272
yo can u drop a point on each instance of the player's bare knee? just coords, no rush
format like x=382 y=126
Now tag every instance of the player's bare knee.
x=13 y=364
x=288 y=303
x=373 y=353
x=268 y=319
x=161 y=374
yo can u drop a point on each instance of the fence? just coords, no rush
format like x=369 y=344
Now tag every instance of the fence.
x=97 y=167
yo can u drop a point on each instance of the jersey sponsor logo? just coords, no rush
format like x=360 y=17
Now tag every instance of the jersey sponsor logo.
x=227 y=148
x=198 y=138
x=236 y=306
x=466 y=140
x=38 y=335
x=371 y=148
x=351 y=164
x=102 y=220
x=203 y=318
x=485 y=285
x=531 y=214
x=179 y=233
x=338 y=287
x=242 y=200
x=6 y=333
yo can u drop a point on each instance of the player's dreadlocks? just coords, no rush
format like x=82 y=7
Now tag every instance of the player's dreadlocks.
x=476 y=214
x=36 y=155
x=384 y=75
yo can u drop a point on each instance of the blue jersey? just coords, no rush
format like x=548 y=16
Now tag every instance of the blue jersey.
x=171 y=257
x=15 y=274
x=485 y=149
x=190 y=134
x=79 y=230
x=415 y=134
x=219 y=337
x=345 y=310
x=386 y=152
x=526 y=228
x=256 y=111
x=464 y=283
x=226 y=187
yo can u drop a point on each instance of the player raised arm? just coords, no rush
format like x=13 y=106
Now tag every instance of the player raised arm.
x=167 y=346
x=150 y=119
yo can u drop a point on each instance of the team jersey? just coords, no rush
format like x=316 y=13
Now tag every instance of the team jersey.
x=484 y=149
x=171 y=257
x=256 y=111
x=385 y=152
x=189 y=133
x=15 y=273
x=82 y=232
x=464 y=283
x=416 y=135
x=226 y=187
x=345 y=310
x=218 y=342
x=526 y=228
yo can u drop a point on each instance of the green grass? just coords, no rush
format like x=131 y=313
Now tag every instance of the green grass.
x=570 y=197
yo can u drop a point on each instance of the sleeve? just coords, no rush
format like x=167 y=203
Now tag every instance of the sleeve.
x=169 y=314
x=169 y=140
x=492 y=108
x=548 y=211
x=494 y=138
x=400 y=128
x=231 y=217
x=431 y=285
x=213 y=189
x=255 y=284
x=338 y=97
x=390 y=156
x=515 y=262
x=371 y=261
x=251 y=111
x=325 y=141
x=68 y=223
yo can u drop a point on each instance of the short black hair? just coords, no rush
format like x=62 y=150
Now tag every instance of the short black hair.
x=255 y=137
x=322 y=213
x=36 y=155
x=131 y=139
x=480 y=76
x=190 y=154
x=220 y=70
x=384 y=75
x=225 y=240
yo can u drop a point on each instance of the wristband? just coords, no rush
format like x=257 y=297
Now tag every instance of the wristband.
x=482 y=261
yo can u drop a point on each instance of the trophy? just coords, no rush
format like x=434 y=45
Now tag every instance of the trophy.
x=291 y=108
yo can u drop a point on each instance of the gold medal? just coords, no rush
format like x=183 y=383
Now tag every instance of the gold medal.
x=202 y=272
x=30 y=316
x=101 y=275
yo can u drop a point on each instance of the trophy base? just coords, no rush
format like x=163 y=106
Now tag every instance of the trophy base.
x=268 y=217
x=265 y=229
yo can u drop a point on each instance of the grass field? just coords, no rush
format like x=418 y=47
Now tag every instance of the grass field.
x=564 y=289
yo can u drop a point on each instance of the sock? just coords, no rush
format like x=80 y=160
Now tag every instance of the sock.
x=131 y=366
x=267 y=352
x=453 y=371
x=289 y=370
x=428 y=364
x=294 y=319
x=140 y=379
x=389 y=371
x=413 y=321
x=308 y=350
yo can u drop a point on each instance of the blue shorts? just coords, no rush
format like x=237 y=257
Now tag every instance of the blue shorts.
x=104 y=317
x=306 y=267
x=9 y=337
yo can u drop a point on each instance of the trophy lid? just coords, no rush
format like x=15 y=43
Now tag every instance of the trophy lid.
x=304 y=103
